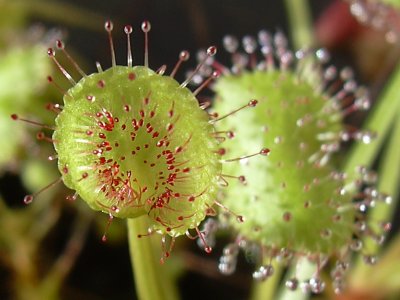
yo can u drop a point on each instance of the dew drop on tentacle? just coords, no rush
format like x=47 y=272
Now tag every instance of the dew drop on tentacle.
x=317 y=285
x=228 y=260
x=214 y=75
x=263 y=272
x=29 y=198
x=52 y=157
x=146 y=26
x=292 y=284
x=230 y=43
x=110 y=219
x=41 y=136
x=56 y=85
x=72 y=198
x=211 y=51
x=262 y=152
x=54 y=107
x=239 y=218
x=109 y=26
x=128 y=31
x=207 y=248
x=61 y=46
x=161 y=70
x=16 y=117
x=183 y=56
x=52 y=54
x=251 y=103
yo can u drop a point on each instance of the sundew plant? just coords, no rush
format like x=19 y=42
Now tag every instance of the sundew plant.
x=191 y=150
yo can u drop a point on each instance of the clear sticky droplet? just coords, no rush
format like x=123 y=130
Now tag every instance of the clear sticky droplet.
x=317 y=285
x=146 y=26
x=211 y=51
x=292 y=284
x=128 y=29
x=108 y=26
x=28 y=199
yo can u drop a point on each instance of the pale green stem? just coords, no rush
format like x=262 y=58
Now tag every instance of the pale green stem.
x=389 y=175
x=266 y=290
x=151 y=277
x=300 y=23
x=304 y=270
x=379 y=120
x=385 y=112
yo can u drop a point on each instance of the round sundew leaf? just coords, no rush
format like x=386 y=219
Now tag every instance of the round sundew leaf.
x=290 y=199
x=133 y=142
x=18 y=92
x=18 y=66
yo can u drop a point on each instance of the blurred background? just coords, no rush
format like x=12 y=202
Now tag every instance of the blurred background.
x=53 y=249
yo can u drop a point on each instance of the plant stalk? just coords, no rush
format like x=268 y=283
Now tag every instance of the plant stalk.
x=266 y=290
x=151 y=277
x=389 y=175
x=300 y=23
x=379 y=120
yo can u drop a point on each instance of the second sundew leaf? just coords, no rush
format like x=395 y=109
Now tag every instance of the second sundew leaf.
x=296 y=203
x=285 y=192
x=18 y=91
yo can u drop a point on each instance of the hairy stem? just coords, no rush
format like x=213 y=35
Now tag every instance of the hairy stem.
x=151 y=278
x=379 y=120
x=302 y=271
x=266 y=290
x=300 y=23
x=389 y=174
